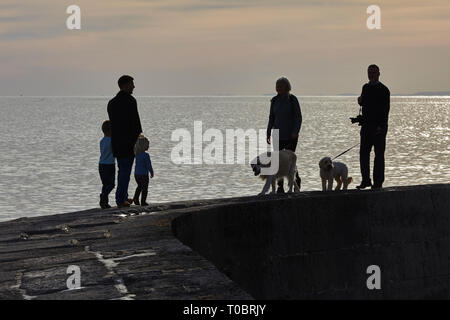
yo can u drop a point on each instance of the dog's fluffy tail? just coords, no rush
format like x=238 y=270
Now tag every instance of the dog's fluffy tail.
x=349 y=180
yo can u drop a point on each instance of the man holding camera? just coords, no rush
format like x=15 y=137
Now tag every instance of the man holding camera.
x=375 y=104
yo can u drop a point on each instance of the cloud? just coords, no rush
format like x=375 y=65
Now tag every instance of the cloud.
x=217 y=39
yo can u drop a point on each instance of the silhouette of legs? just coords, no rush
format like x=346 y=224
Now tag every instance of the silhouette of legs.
x=370 y=138
x=142 y=189
x=289 y=145
x=378 y=167
x=107 y=176
x=123 y=179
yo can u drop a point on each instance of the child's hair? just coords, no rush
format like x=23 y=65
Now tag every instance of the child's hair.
x=141 y=144
x=106 y=126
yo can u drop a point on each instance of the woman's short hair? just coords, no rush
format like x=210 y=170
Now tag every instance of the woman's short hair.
x=141 y=144
x=285 y=81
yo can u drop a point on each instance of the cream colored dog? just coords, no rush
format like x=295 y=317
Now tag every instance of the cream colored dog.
x=286 y=168
x=333 y=170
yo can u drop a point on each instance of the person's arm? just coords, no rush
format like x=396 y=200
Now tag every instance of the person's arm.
x=108 y=109
x=360 y=98
x=297 y=118
x=271 y=121
x=387 y=106
x=111 y=116
x=149 y=163
x=383 y=113
x=136 y=121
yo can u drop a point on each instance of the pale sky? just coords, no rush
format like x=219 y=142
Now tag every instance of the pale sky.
x=214 y=47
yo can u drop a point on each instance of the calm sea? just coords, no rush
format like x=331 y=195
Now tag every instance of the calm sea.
x=49 y=147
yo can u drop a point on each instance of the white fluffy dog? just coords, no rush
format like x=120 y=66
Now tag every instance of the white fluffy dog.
x=287 y=168
x=333 y=170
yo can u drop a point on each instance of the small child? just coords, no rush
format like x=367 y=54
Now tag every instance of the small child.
x=141 y=170
x=106 y=165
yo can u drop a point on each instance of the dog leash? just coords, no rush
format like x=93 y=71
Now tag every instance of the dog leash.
x=340 y=154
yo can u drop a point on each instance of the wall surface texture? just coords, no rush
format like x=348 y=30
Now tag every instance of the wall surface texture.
x=318 y=245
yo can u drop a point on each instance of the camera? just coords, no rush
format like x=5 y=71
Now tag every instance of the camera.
x=359 y=119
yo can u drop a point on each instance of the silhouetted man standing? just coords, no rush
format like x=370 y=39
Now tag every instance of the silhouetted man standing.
x=375 y=105
x=126 y=127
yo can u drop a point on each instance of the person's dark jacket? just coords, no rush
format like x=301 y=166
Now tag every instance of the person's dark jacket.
x=286 y=118
x=125 y=124
x=375 y=104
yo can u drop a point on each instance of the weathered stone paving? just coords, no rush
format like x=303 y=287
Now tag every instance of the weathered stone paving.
x=122 y=254
x=312 y=245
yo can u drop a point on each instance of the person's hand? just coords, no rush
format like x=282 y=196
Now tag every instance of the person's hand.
x=268 y=140
x=294 y=135
x=359 y=100
x=151 y=175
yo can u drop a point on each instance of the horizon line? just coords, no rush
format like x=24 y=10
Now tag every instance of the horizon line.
x=216 y=95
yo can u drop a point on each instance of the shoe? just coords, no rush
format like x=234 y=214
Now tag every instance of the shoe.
x=280 y=189
x=125 y=204
x=144 y=204
x=104 y=201
x=364 y=185
x=130 y=201
x=376 y=187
